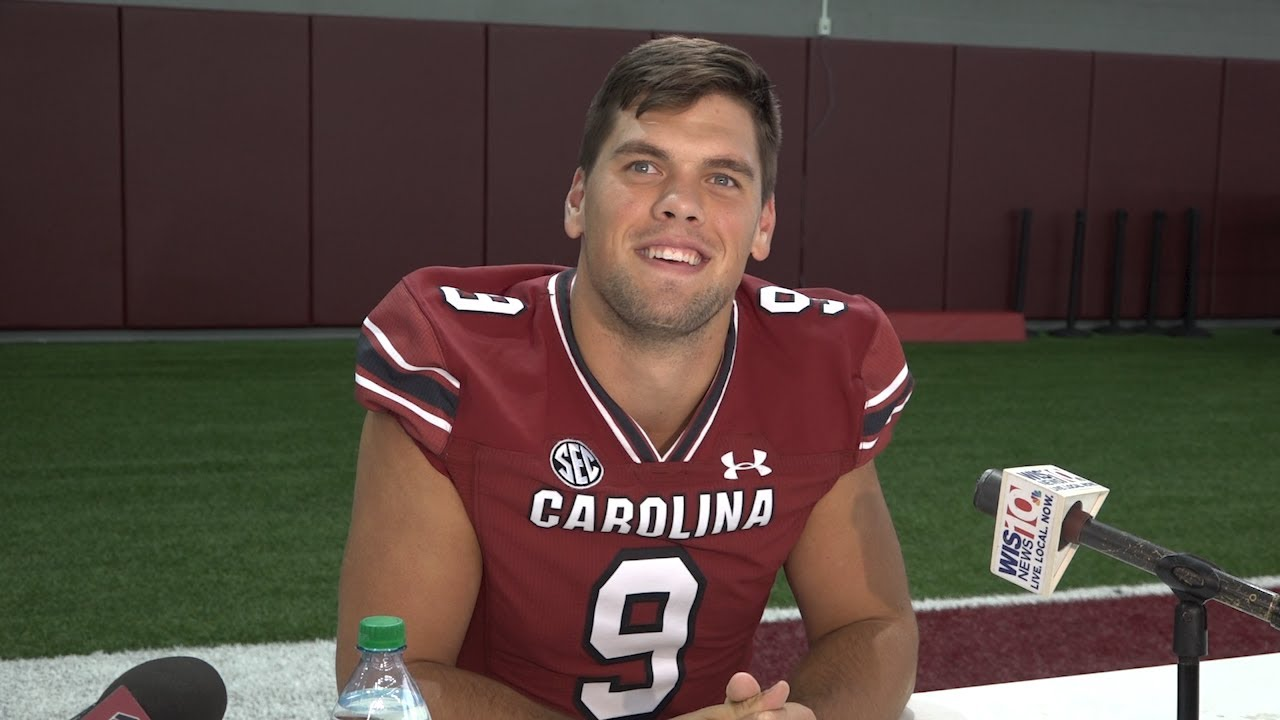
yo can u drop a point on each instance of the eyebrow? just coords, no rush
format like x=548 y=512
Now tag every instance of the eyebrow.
x=640 y=147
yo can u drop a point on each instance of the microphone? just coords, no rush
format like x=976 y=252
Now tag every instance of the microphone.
x=1006 y=494
x=1031 y=505
x=170 y=688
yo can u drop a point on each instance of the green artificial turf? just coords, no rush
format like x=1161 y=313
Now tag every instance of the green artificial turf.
x=166 y=493
x=1183 y=431
x=181 y=493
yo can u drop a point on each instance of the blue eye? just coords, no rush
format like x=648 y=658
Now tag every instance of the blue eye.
x=724 y=181
x=643 y=166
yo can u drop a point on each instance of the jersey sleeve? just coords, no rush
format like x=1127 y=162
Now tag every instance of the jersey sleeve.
x=886 y=382
x=400 y=369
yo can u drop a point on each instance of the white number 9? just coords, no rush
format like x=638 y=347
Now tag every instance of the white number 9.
x=481 y=302
x=780 y=301
x=671 y=585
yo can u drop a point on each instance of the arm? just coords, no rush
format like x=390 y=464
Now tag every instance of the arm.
x=850 y=584
x=411 y=552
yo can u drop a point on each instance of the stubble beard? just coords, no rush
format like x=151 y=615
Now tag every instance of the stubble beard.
x=656 y=319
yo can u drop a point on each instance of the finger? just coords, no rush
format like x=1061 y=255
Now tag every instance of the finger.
x=772 y=699
x=742 y=687
x=775 y=696
x=789 y=711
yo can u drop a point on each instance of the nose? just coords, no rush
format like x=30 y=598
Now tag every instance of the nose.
x=680 y=200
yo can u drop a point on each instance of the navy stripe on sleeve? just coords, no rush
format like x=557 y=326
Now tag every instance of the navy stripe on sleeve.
x=429 y=391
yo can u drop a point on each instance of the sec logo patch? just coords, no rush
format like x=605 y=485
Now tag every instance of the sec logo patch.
x=575 y=464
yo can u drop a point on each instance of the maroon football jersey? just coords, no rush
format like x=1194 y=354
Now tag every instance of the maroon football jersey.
x=620 y=581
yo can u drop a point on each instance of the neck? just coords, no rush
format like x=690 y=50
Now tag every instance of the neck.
x=659 y=382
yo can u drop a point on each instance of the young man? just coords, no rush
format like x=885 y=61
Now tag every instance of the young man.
x=577 y=485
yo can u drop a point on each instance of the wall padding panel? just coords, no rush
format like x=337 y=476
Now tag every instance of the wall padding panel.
x=877 y=157
x=786 y=61
x=541 y=81
x=60 y=232
x=398 y=158
x=216 y=168
x=1154 y=145
x=1021 y=134
x=1247 y=251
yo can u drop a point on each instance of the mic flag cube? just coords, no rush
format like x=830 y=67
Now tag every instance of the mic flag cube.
x=1028 y=549
x=119 y=705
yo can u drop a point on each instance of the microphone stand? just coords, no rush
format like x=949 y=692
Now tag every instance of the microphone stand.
x=1194 y=581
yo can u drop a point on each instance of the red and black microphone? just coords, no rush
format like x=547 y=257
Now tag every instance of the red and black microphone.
x=170 y=688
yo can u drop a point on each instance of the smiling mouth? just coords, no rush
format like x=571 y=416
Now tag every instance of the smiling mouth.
x=688 y=257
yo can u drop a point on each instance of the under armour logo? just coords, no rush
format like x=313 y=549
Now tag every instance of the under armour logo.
x=736 y=467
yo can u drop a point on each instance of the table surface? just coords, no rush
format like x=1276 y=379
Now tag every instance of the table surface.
x=1242 y=688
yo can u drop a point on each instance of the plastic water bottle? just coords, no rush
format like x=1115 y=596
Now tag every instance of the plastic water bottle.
x=381 y=687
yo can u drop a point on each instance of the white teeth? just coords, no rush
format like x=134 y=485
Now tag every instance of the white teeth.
x=684 y=256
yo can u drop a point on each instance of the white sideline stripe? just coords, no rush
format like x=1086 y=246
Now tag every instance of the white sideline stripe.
x=1106 y=592
x=282 y=681
x=294 y=681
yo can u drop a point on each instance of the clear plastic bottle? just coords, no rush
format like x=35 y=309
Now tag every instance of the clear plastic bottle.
x=381 y=687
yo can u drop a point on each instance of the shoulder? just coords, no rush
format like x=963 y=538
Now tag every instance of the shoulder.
x=421 y=344
x=480 y=290
x=452 y=301
x=828 y=342
x=438 y=309
x=849 y=324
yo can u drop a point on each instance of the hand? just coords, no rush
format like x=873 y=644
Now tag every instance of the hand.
x=744 y=700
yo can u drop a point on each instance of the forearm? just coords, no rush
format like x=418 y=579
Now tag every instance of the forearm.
x=863 y=671
x=454 y=693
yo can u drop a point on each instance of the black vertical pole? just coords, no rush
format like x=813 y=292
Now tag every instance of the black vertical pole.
x=1188 y=328
x=1190 y=643
x=1194 y=581
x=1153 y=274
x=1073 y=290
x=1020 y=273
x=1113 y=327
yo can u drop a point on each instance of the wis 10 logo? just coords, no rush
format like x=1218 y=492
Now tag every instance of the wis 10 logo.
x=1024 y=537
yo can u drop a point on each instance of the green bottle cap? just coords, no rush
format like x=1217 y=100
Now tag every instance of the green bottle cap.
x=381 y=633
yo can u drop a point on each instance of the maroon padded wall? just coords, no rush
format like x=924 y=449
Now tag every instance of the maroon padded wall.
x=216 y=168
x=877 y=155
x=397 y=156
x=786 y=61
x=60 y=210
x=1247 y=253
x=540 y=82
x=1021 y=131
x=1154 y=146
x=171 y=168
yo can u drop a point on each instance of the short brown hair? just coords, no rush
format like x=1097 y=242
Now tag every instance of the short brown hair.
x=673 y=73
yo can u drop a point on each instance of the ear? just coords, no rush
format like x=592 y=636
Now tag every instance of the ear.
x=764 y=233
x=574 y=222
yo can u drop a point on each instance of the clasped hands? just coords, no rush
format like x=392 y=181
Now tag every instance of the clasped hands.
x=744 y=700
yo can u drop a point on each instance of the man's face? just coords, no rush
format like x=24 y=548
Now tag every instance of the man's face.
x=669 y=214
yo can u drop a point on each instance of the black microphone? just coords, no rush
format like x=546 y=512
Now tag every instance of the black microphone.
x=169 y=688
x=1194 y=573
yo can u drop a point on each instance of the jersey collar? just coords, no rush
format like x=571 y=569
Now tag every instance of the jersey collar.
x=633 y=438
